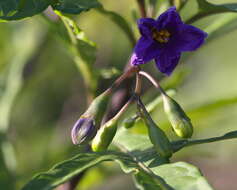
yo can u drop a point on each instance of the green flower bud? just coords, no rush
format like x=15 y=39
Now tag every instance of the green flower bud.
x=87 y=125
x=104 y=136
x=180 y=122
x=159 y=139
x=97 y=108
x=129 y=122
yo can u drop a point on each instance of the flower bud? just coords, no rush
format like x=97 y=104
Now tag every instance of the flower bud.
x=180 y=122
x=83 y=131
x=129 y=122
x=104 y=136
x=87 y=125
x=158 y=139
x=97 y=108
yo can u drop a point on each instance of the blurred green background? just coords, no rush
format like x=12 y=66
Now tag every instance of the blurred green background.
x=42 y=94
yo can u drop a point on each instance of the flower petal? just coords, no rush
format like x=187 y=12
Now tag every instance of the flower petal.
x=134 y=60
x=190 y=38
x=167 y=64
x=147 y=49
x=145 y=25
x=170 y=20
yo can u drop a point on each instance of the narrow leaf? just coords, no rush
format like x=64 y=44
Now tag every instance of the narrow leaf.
x=75 y=6
x=64 y=171
x=210 y=7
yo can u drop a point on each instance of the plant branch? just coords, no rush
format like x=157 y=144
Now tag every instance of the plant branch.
x=142 y=8
x=127 y=74
x=201 y=15
x=153 y=81
x=177 y=145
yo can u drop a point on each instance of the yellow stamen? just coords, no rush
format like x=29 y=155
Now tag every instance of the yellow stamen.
x=161 y=36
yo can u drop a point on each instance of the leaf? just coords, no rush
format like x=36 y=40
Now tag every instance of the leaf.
x=19 y=9
x=149 y=175
x=75 y=6
x=205 y=6
x=83 y=51
x=179 y=175
x=182 y=176
x=221 y=26
x=121 y=22
x=64 y=171
x=209 y=108
x=144 y=182
x=205 y=9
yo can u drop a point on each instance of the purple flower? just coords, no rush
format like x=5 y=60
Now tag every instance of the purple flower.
x=164 y=39
x=83 y=130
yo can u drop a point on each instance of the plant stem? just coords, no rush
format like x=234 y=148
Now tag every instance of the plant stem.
x=142 y=8
x=177 y=145
x=134 y=97
x=124 y=108
x=196 y=17
x=153 y=81
x=127 y=74
x=138 y=87
x=201 y=15
x=88 y=74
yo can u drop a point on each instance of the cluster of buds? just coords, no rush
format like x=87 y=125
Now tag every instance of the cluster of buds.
x=162 y=40
x=88 y=128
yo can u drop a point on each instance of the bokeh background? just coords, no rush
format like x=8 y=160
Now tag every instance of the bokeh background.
x=42 y=94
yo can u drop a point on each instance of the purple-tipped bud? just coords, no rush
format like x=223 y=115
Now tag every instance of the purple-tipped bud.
x=83 y=130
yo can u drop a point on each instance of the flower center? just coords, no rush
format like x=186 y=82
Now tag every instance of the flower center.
x=161 y=36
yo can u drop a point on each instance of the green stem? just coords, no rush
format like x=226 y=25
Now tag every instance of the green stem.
x=88 y=74
x=196 y=17
x=201 y=15
x=121 y=23
x=177 y=145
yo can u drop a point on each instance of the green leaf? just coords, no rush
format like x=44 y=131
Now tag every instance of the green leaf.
x=149 y=175
x=182 y=176
x=64 y=171
x=75 y=6
x=179 y=175
x=221 y=26
x=209 y=108
x=83 y=51
x=205 y=6
x=19 y=9
x=121 y=22
x=144 y=182
x=205 y=9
